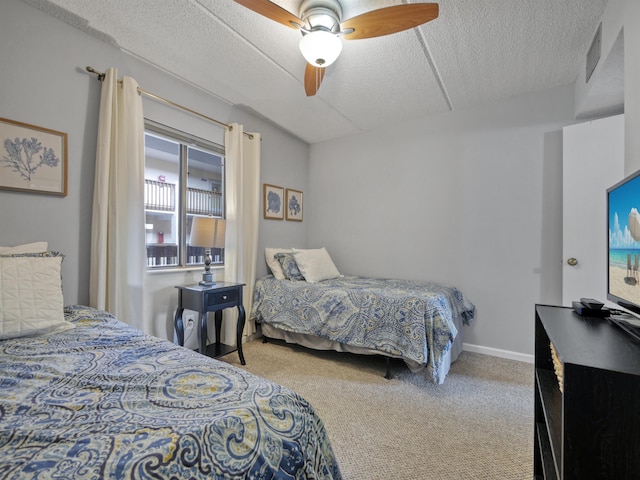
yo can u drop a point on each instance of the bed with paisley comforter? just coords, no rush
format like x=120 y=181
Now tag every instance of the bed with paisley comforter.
x=417 y=321
x=103 y=400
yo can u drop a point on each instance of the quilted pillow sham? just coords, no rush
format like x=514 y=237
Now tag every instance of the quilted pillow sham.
x=315 y=264
x=289 y=266
x=31 y=301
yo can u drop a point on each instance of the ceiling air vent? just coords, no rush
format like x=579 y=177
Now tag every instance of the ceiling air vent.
x=593 y=55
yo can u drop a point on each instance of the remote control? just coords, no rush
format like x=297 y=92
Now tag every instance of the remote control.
x=591 y=303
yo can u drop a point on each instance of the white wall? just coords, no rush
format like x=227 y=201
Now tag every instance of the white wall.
x=632 y=86
x=43 y=82
x=621 y=16
x=40 y=84
x=470 y=198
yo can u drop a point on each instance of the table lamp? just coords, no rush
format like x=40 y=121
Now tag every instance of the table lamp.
x=207 y=232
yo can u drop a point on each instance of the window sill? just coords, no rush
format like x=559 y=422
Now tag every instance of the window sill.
x=199 y=268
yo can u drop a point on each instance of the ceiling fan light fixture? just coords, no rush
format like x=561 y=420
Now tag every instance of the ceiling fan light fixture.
x=323 y=29
x=320 y=48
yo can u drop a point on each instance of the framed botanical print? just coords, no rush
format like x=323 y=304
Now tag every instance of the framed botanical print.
x=32 y=159
x=273 y=202
x=294 y=205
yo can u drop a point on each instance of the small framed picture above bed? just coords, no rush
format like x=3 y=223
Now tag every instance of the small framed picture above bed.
x=273 y=202
x=294 y=205
x=32 y=159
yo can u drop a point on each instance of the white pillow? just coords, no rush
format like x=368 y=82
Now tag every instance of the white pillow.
x=36 y=247
x=274 y=263
x=315 y=264
x=31 y=301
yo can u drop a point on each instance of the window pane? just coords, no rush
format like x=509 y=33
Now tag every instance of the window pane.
x=161 y=193
x=204 y=197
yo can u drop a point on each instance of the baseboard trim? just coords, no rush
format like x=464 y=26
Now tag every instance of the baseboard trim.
x=497 y=352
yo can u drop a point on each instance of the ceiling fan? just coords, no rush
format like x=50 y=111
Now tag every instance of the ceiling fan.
x=321 y=24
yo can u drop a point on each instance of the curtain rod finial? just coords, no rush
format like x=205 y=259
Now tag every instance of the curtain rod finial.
x=100 y=75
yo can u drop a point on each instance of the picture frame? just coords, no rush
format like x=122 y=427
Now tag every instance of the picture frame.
x=32 y=159
x=295 y=205
x=272 y=202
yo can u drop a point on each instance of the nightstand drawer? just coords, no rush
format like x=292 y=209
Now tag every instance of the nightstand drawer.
x=221 y=298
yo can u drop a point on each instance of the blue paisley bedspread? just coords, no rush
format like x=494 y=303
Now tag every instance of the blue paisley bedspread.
x=401 y=318
x=104 y=400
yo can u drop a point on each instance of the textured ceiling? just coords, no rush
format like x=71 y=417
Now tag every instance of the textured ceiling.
x=475 y=52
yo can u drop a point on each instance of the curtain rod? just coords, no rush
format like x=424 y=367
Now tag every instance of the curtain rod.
x=141 y=91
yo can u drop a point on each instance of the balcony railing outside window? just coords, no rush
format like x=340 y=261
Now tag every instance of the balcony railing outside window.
x=159 y=196
x=204 y=202
x=162 y=196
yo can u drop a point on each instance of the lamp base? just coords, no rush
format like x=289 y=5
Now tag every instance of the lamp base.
x=207 y=279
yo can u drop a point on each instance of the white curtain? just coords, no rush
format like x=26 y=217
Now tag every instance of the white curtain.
x=242 y=168
x=117 y=230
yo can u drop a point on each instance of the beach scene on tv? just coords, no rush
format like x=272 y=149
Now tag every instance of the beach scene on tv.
x=624 y=241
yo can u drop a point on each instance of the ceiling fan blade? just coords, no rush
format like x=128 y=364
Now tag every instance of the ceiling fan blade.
x=385 y=21
x=312 y=79
x=273 y=12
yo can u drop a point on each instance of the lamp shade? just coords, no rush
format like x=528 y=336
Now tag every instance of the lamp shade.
x=207 y=232
x=320 y=48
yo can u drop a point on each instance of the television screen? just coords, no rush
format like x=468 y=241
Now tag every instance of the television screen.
x=623 y=204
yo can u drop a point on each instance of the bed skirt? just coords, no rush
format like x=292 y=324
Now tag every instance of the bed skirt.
x=319 y=343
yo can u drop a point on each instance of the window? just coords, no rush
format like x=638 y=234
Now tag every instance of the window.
x=183 y=178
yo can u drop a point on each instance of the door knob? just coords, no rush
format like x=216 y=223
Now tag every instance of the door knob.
x=572 y=261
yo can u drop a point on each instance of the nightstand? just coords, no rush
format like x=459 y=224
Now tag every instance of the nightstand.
x=214 y=298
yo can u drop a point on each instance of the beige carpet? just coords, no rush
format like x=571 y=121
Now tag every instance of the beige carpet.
x=477 y=425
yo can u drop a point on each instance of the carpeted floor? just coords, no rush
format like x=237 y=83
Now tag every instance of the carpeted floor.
x=477 y=425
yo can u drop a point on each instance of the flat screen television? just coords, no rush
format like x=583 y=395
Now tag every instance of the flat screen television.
x=623 y=207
